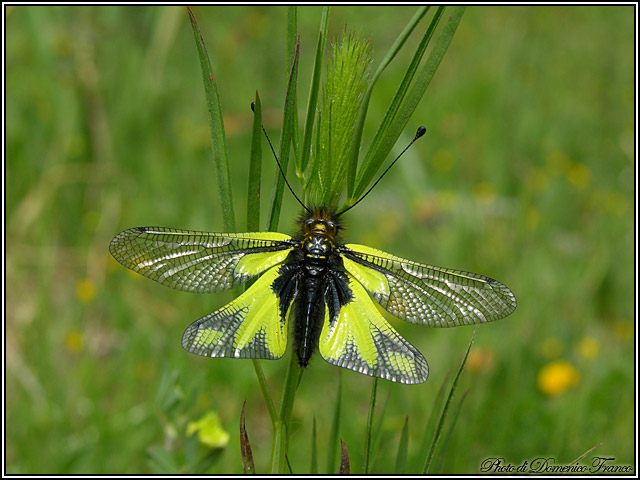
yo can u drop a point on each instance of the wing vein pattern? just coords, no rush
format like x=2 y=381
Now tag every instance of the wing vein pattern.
x=428 y=295
x=199 y=262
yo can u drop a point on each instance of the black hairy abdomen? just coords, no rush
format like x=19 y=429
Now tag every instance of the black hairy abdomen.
x=313 y=285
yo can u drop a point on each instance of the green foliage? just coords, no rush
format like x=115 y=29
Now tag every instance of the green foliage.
x=525 y=174
x=188 y=447
x=348 y=76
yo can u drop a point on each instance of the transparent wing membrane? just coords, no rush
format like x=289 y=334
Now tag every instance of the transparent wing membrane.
x=199 y=262
x=427 y=295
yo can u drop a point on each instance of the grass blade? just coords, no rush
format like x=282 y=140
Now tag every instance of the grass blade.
x=378 y=431
x=372 y=410
x=403 y=444
x=428 y=71
x=437 y=407
x=447 y=437
x=291 y=40
x=245 y=446
x=262 y=381
x=285 y=140
x=398 y=122
x=313 y=469
x=395 y=48
x=335 y=426
x=305 y=152
x=586 y=453
x=216 y=126
x=443 y=416
x=255 y=169
x=383 y=142
x=281 y=430
x=253 y=224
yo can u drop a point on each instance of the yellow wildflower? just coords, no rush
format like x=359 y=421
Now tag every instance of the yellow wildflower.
x=210 y=431
x=86 y=290
x=579 y=175
x=589 y=347
x=555 y=377
x=74 y=341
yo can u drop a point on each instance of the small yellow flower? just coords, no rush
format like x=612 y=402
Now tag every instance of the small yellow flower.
x=210 y=431
x=555 y=377
x=74 y=341
x=86 y=290
x=589 y=347
x=579 y=175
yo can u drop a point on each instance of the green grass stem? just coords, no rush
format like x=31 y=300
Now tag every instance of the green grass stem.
x=216 y=127
x=445 y=410
x=369 y=432
x=395 y=48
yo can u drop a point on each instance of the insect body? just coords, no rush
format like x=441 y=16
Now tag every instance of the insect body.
x=326 y=288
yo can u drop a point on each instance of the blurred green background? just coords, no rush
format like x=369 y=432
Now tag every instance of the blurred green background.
x=526 y=174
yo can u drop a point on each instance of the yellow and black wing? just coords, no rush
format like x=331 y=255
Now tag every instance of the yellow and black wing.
x=361 y=339
x=251 y=326
x=427 y=295
x=199 y=262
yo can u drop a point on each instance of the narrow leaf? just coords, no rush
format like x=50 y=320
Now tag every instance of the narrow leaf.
x=285 y=141
x=447 y=438
x=245 y=446
x=586 y=453
x=281 y=430
x=427 y=73
x=372 y=408
x=383 y=143
x=305 y=152
x=216 y=127
x=403 y=445
x=335 y=426
x=395 y=48
x=292 y=39
x=443 y=416
x=378 y=431
x=253 y=223
x=429 y=431
x=344 y=469
x=262 y=381
x=255 y=169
